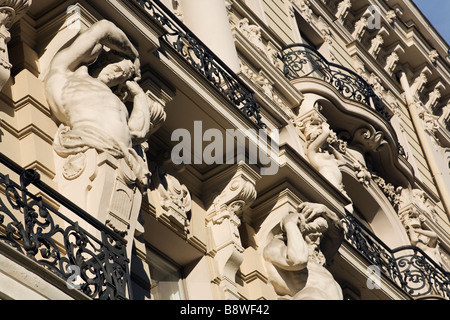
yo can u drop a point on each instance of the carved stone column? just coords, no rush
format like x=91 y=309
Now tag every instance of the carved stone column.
x=10 y=12
x=223 y=221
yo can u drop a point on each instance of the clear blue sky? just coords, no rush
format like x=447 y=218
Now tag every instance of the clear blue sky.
x=438 y=13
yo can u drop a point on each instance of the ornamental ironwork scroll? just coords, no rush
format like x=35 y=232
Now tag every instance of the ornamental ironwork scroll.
x=422 y=276
x=29 y=224
x=202 y=59
x=302 y=60
x=407 y=266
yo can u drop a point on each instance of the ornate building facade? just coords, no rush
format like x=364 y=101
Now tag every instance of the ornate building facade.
x=223 y=150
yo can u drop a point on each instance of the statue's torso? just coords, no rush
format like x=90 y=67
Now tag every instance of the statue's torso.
x=88 y=102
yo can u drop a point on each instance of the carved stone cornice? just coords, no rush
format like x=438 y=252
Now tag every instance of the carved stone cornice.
x=237 y=194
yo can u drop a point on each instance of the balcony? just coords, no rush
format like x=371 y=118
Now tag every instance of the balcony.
x=203 y=60
x=302 y=63
x=37 y=230
x=302 y=60
x=408 y=267
x=28 y=224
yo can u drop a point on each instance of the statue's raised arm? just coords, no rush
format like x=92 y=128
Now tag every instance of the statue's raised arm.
x=89 y=44
x=104 y=115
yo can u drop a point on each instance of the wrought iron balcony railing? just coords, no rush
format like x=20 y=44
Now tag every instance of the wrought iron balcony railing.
x=199 y=56
x=408 y=266
x=302 y=60
x=37 y=230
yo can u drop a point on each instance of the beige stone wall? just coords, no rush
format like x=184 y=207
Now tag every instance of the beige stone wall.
x=218 y=239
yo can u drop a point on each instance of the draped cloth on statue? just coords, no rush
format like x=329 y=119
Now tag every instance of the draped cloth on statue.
x=69 y=141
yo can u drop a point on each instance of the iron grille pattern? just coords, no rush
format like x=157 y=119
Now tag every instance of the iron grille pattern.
x=302 y=60
x=29 y=224
x=407 y=266
x=199 y=56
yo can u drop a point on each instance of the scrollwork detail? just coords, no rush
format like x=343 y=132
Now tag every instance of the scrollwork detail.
x=31 y=229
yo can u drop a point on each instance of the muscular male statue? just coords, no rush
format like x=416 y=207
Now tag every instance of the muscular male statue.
x=296 y=257
x=87 y=86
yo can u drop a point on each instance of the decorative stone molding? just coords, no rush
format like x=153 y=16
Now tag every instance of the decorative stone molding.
x=360 y=28
x=430 y=121
x=419 y=82
x=326 y=49
x=391 y=62
x=324 y=29
x=392 y=193
x=272 y=54
x=375 y=44
x=360 y=68
x=393 y=58
x=266 y=85
x=434 y=96
x=233 y=192
x=362 y=174
x=368 y=139
x=10 y=12
x=375 y=81
x=253 y=33
x=304 y=7
x=415 y=208
x=174 y=197
x=418 y=203
x=391 y=16
x=445 y=117
x=433 y=55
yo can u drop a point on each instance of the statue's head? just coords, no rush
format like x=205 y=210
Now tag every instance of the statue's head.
x=112 y=69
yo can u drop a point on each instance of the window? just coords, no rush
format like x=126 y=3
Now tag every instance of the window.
x=166 y=282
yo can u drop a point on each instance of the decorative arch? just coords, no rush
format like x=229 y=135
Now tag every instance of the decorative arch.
x=372 y=205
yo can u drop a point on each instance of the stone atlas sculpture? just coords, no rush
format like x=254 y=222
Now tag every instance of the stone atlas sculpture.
x=296 y=256
x=104 y=115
